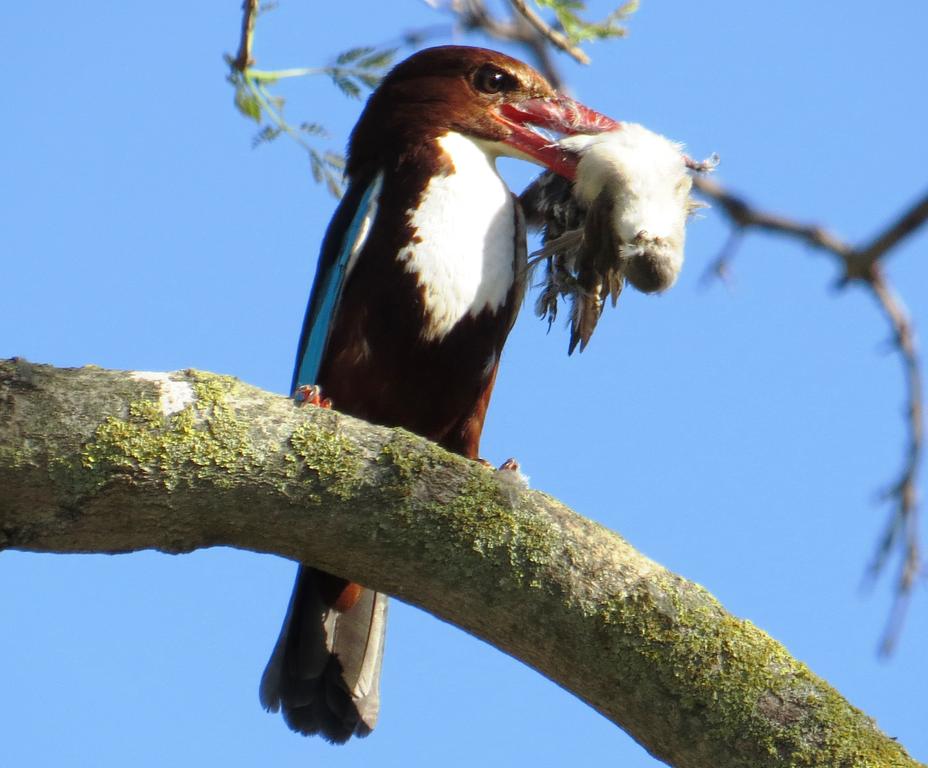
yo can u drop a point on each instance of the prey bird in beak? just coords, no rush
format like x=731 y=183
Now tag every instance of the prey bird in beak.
x=621 y=218
x=419 y=279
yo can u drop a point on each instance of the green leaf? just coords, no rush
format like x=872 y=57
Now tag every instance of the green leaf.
x=247 y=103
x=313 y=129
x=378 y=60
x=333 y=184
x=345 y=85
x=371 y=81
x=578 y=29
x=266 y=135
x=353 y=55
x=315 y=164
x=334 y=160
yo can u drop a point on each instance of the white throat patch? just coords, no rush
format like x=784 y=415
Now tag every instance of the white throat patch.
x=465 y=227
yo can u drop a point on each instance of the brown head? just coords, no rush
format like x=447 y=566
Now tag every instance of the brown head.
x=477 y=92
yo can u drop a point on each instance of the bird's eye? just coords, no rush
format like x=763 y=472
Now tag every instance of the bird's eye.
x=489 y=79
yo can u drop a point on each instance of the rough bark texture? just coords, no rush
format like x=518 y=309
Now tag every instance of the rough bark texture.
x=107 y=461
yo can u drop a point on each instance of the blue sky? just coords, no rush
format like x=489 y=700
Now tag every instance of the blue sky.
x=740 y=436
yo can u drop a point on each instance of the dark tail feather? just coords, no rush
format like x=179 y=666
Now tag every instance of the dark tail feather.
x=324 y=672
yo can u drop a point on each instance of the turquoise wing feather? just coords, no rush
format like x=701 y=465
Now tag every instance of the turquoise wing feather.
x=343 y=242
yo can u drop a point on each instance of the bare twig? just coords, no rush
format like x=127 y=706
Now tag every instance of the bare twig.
x=720 y=266
x=861 y=264
x=743 y=216
x=473 y=15
x=243 y=59
x=904 y=226
x=557 y=39
x=902 y=528
x=352 y=72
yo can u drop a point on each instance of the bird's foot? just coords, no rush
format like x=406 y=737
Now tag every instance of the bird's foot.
x=311 y=394
x=510 y=475
x=510 y=465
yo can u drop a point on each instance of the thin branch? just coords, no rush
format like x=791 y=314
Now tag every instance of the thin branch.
x=353 y=71
x=474 y=16
x=720 y=267
x=861 y=264
x=902 y=528
x=557 y=39
x=745 y=216
x=180 y=461
x=243 y=59
x=905 y=225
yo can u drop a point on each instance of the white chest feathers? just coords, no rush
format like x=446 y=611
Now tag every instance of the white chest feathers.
x=463 y=249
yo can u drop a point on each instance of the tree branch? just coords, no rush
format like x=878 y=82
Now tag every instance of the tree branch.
x=907 y=223
x=557 y=39
x=474 y=16
x=107 y=461
x=861 y=264
x=243 y=59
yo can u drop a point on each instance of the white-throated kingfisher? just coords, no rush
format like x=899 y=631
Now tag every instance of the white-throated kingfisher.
x=419 y=280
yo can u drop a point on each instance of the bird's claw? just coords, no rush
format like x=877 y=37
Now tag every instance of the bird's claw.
x=509 y=464
x=510 y=475
x=509 y=471
x=311 y=394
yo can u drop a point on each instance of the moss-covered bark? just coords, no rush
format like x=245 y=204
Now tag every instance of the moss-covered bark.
x=105 y=461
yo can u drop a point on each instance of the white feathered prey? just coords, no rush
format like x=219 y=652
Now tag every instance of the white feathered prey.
x=623 y=219
x=644 y=176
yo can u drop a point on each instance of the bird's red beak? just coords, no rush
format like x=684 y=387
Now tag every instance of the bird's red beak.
x=561 y=115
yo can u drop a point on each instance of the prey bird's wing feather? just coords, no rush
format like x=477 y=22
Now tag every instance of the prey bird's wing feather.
x=594 y=274
x=343 y=242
